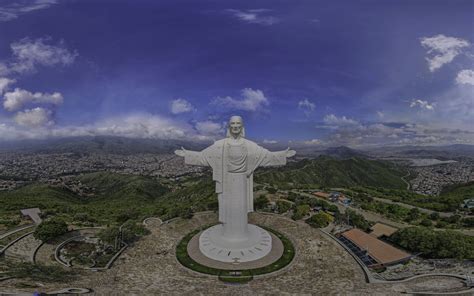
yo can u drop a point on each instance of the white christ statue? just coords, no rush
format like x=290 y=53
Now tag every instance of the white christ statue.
x=233 y=161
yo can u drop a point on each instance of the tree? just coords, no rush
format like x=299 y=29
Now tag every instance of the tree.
x=333 y=208
x=283 y=206
x=261 y=202
x=272 y=190
x=357 y=220
x=468 y=222
x=414 y=214
x=319 y=220
x=49 y=229
x=435 y=244
x=127 y=214
x=300 y=212
x=131 y=231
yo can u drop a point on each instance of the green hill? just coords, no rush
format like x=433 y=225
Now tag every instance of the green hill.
x=119 y=186
x=325 y=171
x=118 y=197
x=36 y=195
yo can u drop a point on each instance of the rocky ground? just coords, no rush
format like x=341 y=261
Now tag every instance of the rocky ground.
x=149 y=267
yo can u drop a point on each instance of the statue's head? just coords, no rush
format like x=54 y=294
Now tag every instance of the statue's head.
x=235 y=128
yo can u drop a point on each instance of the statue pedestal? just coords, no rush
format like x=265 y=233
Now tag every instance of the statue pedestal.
x=213 y=244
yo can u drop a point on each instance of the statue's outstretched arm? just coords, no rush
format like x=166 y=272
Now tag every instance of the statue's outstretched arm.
x=276 y=158
x=180 y=152
x=192 y=157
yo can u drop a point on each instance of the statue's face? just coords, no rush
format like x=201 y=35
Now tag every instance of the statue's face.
x=235 y=125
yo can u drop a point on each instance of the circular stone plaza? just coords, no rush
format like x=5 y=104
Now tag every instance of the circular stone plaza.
x=150 y=267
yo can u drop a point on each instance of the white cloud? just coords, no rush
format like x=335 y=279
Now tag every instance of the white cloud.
x=332 y=119
x=265 y=141
x=422 y=104
x=307 y=106
x=380 y=114
x=135 y=126
x=4 y=83
x=252 y=100
x=313 y=142
x=209 y=128
x=254 y=16
x=19 y=97
x=34 y=117
x=14 y=10
x=377 y=134
x=465 y=77
x=181 y=106
x=442 y=49
x=27 y=54
x=141 y=125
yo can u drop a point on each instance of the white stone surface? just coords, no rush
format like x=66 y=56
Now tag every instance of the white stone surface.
x=233 y=161
x=215 y=245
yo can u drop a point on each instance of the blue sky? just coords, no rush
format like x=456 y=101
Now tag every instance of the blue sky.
x=357 y=73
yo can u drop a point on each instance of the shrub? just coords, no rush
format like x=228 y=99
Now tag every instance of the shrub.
x=132 y=230
x=426 y=222
x=108 y=235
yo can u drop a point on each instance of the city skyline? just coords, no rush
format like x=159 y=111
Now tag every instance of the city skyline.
x=345 y=73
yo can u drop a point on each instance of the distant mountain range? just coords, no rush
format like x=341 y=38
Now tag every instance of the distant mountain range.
x=99 y=144
x=439 y=152
x=343 y=152
x=121 y=145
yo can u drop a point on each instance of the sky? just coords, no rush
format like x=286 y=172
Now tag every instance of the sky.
x=355 y=73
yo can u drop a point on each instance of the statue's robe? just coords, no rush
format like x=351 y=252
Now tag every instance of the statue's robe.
x=223 y=165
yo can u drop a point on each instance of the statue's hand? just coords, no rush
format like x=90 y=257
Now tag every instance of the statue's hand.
x=290 y=153
x=180 y=152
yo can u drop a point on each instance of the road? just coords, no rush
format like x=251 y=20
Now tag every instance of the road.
x=406 y=182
